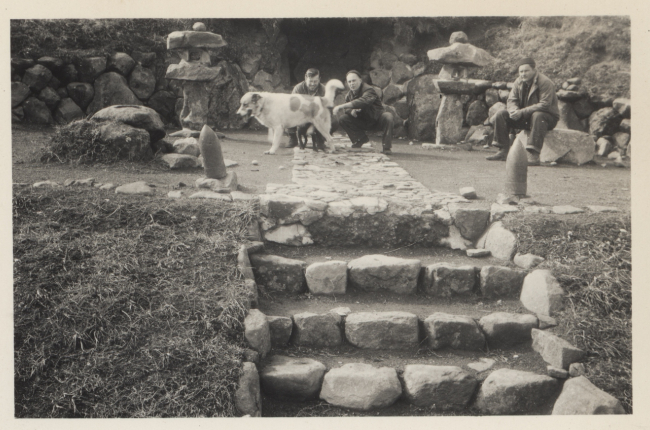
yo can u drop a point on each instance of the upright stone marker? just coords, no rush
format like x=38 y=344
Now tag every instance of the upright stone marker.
x=213 y=163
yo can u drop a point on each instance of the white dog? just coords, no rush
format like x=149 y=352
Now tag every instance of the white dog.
x=280 y=111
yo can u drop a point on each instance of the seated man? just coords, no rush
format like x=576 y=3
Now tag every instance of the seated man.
x=364 y=111
x=532 y=105
x=310 y=86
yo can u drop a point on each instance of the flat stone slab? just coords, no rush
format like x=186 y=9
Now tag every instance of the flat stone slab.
x=453 y=331
x=438 y=387
x=554 y=350
x=482 y=365
x=194 y=39
x=446 y=280
x=319 y=331
x=139 y=188
x=580 y=397
x=361 y=386
x=512 y=392
x=505 y=329
x=292 y=378
x=279 y=273
x=206 y=194
x=379 y=272
x=329 y=278
x=382 y=330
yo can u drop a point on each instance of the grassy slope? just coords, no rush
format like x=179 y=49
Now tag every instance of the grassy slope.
x=591 y=258
x=125 y=307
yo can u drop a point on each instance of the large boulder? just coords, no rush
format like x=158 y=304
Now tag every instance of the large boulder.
x=379 y=272
x=507 y=329
x=477 y=113
x=510 y=392
x=623 y=107
x=491 y=97
x=248 y=398
x=438 y=387
x=382 y=330
x=67 y=111
x=257 y=332
x=292 y=378
x=497 y=281
x=37 y=77
x=361 y=386
x=81 y=93
x=453 y=331
x=380 y=78
x=604 y=122
x=279 y=273
x=330 y=277
x=90 y=68
x=225 y=93
x=135 y=116
x=400 y=73
x=391 y=94
x=49 y=97
x=580 y=397
x=19 y=93
x=424 y=100
x=111 y=89
x=130 y=143
x=69 y=74
x=445 y=280
x=541 y=293
x=318 y=331
x=554 y=350
x=142 y=82
x=120 y=62
x=37 y=111
x=568 y=146
x=164 y=102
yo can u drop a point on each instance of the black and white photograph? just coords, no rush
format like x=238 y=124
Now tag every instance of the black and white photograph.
x=320 y=213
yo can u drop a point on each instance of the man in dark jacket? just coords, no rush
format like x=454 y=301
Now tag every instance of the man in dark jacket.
x=311 y=86
x=532 y=105
x=364 y=111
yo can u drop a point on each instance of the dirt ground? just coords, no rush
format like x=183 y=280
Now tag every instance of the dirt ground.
x=442 y=170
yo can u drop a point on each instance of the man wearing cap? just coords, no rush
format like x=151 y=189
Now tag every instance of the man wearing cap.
x=364 y=111
x=532 y=105
x=311 y=86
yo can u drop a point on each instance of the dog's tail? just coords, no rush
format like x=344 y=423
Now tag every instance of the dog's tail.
x=330 y=91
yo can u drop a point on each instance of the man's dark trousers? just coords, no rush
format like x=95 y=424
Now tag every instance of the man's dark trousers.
x=539 y=123
x=356 y=128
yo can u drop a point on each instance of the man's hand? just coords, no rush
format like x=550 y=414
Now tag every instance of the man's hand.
x=516 y=115
x=336 y=109
x=354 y=112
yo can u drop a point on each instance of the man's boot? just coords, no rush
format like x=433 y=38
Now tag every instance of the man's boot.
x=499 y=156
x=293 y=141
x=533 y=158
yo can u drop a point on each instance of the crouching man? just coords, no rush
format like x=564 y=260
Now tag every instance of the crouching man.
x=364 y=111
x=532 y=105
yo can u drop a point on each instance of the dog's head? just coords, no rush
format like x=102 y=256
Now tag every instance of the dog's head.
x=251 y=105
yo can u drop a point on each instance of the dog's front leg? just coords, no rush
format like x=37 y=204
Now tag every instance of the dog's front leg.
x=277 y=139
x=324 y=130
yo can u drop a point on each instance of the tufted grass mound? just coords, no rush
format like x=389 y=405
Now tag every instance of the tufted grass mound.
x=590 y=255
x=125 y=307
x=79 y=142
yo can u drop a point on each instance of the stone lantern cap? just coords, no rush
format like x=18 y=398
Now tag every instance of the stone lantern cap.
x=194 y=39
x=461 y=54
x=186 y=71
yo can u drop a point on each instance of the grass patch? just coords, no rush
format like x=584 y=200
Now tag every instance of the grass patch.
x=79 y=142
x=125 y=307
x=591 y=258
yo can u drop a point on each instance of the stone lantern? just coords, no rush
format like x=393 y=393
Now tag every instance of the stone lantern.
x=453 y=82
x=195 y=72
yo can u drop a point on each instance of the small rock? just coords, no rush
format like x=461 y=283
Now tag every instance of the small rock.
x=496 y=281
x=140 y=188
x=505 y=329
x=468 y=193
x=601 y=209
x=577 y=369
x=175 y=194
x=230 y=163
x=255 y=163
x=478 y=253
x=527 y=261
x=546 y=322
x=504 y=199
x=501 y=242
x=45 y=184
x=180 y=161
x=342 y=311
x=498 y=211
x=211 y=195
x=108 y=186
x=554 y=372
x=482 y=365
x=567 y=209
x=248 y=398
